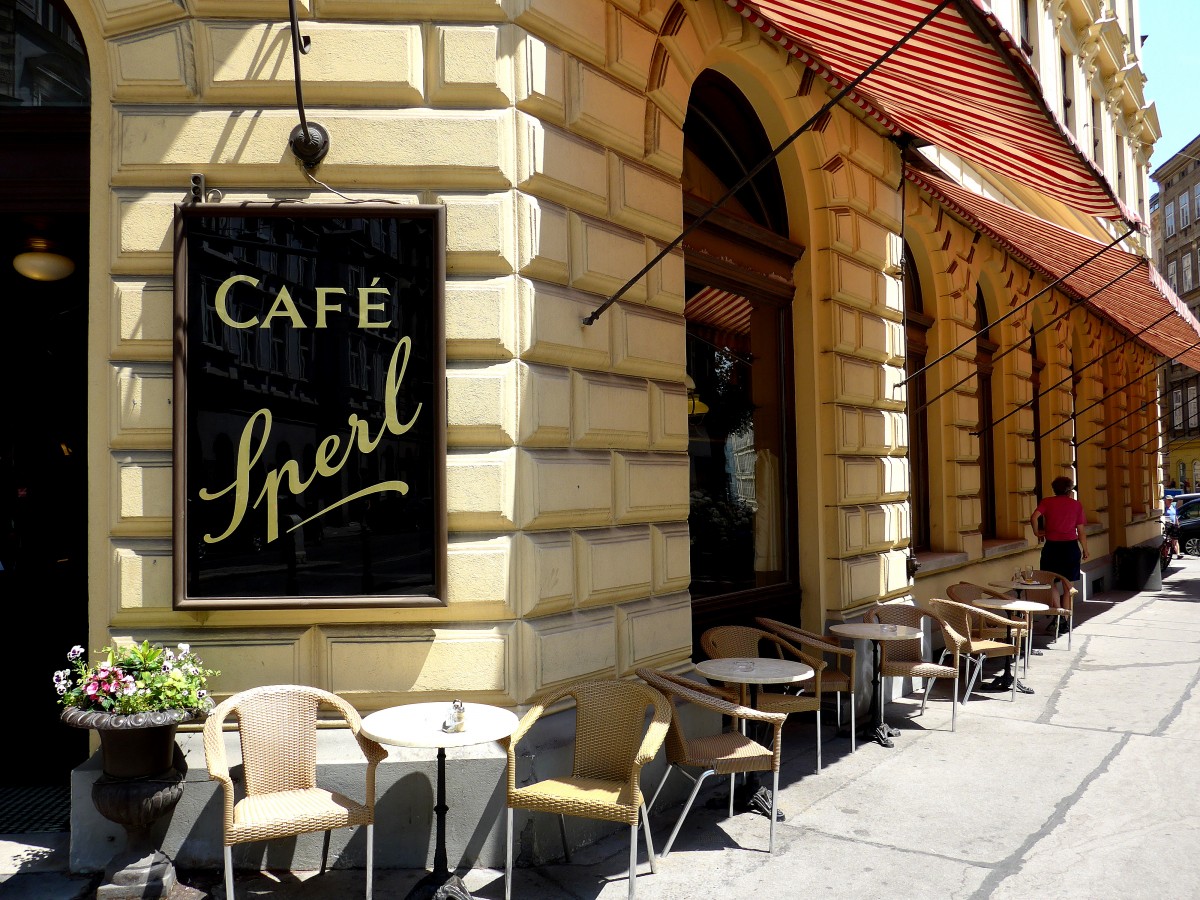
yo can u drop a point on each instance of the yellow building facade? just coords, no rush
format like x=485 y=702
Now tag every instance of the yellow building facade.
x=554 y=133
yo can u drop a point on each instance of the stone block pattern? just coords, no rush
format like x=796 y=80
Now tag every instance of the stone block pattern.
x=567 y=486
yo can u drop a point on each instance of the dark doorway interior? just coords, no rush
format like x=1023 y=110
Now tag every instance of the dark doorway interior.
x=44 y=163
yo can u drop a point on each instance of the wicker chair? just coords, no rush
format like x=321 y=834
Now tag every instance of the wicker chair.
x=277 y=725
x=904 y=659
x=968 y=594
x=1067 y=593
x=610 y=751
x=959 y=617
x=729 y=753
x=837 y=677
x=727 y=641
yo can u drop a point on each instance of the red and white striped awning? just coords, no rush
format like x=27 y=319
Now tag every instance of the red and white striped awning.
x=1135 y=302
x=722 y=310
x=961 y=82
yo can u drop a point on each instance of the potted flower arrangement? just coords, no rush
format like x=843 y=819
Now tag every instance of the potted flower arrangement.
x=130 y=689
x=135 y=697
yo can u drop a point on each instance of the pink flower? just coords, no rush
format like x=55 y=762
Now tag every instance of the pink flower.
x=91 y=689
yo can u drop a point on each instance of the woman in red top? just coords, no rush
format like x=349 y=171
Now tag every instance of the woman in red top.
x=1062 y=525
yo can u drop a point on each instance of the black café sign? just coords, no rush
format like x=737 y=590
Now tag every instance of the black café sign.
x=309 y=405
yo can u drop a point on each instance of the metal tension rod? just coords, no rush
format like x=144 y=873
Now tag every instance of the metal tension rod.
x=1012 y=312
x=749 y=176
x=308 y=140
x=1111 y=350
x=999 y=356
x=1128 y=415
x=1156 y=437
x=1118 y=390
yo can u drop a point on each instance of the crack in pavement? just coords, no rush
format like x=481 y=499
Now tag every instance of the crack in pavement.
x=1011 y=864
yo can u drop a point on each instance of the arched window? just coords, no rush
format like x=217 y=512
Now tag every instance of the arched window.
x=984 y=349
x=1039 y=366
x=738 y=270
x=917 y=325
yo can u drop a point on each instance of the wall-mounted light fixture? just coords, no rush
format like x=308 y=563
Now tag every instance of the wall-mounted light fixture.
x=308 y=140
x=40 y=263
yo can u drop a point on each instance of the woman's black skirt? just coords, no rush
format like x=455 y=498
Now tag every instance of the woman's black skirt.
x=1062 y=557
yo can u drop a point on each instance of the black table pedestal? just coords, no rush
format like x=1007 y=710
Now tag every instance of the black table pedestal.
x=441 y=883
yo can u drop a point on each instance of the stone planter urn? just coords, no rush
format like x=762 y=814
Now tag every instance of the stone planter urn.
x=142 y=781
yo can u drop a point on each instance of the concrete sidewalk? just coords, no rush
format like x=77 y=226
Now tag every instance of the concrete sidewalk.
x=1085 y=789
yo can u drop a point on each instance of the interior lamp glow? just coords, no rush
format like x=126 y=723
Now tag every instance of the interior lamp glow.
x=40 y=263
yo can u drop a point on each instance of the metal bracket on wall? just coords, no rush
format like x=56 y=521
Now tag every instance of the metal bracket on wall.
x=308 y=140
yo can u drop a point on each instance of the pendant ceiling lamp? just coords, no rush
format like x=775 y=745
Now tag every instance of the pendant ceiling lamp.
x=39 y=262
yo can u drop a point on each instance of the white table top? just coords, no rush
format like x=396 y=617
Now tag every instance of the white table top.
x=420 y=725
x=1021 y=585
x=1011 y=605
x=875 y=631
x=754 y=670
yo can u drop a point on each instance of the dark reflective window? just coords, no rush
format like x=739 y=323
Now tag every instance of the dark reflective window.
x=313 y=378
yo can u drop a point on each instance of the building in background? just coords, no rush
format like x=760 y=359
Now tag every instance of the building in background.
x=1177 y=241
x=877 y=353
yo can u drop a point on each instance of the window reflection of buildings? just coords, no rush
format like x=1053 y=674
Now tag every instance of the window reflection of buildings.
x=314 y=377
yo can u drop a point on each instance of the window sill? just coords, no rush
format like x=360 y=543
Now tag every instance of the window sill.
x=1003 y=547
x=934 y=561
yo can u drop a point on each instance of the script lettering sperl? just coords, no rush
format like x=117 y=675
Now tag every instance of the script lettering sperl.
x=328 y=462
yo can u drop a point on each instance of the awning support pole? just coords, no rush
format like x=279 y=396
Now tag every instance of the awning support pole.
x=749 y=176
x=1015 y=310
x=1070 y=309
x=1062 y=381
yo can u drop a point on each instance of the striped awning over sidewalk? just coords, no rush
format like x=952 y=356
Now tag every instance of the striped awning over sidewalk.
x=1135 y=302
x=962 y=83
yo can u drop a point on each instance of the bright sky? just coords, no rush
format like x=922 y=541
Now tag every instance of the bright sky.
x=1171 y=61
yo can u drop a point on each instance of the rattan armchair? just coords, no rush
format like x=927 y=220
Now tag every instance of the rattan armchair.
x=727 y=641
x=612 y=744
x=838 y=676
x=905 y=659
x=960 y=617
x=729 y=753
x=969 y=594
x=277 y=726
x=1066 y=593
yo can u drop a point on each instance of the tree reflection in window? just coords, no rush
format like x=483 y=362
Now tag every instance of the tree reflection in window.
x=737 y=520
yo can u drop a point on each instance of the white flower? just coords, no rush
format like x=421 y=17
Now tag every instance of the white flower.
x=75 y=652
x=184 y=648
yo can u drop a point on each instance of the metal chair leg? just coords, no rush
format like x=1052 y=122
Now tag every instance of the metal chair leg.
x=732 y=788
x=632 y=861
x=661 y=785
x=853 y=716
x=325 y=851
x=562 y=832
x=954 y=707
x=508 y=857
x=974 y=675
x=818 y=739
x=774 y=801
x=370 y=858
x=229 y=872
x=929 y=687
x=649 y=841
x=683 y=815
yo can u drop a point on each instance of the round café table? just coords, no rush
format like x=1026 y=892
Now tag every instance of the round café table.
x=876 y=633
x=420 y=725
x=750 y=672
x=1020 y=605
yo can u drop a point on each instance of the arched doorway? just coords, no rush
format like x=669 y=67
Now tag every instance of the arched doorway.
x=738 y=265
x=45 y=118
